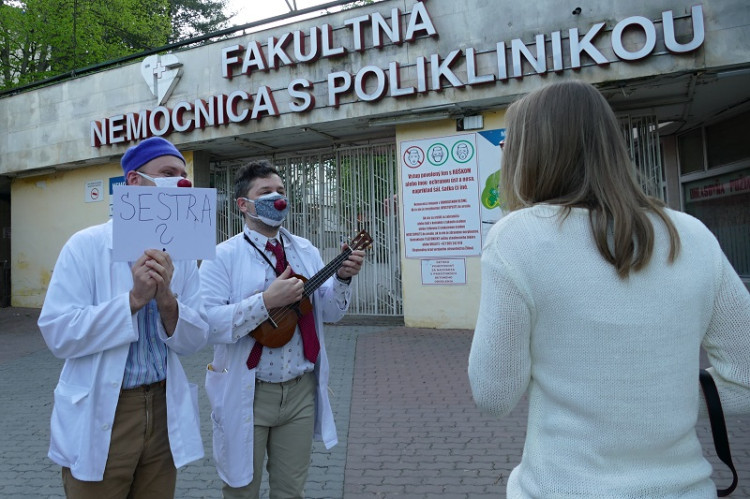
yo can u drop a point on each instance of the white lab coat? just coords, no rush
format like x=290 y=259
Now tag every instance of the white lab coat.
x=86 y=320
x=238 y=272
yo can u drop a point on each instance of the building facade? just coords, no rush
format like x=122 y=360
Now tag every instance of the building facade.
x=387 y=117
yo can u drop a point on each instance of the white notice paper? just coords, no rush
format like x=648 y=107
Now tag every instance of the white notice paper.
x=439 y=178
x=447 y=271
x=179 y=220
x=94 y=191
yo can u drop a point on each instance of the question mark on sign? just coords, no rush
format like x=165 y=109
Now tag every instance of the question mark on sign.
x=161 y=237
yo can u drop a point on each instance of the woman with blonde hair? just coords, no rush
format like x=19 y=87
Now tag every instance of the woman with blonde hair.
x=597 y=299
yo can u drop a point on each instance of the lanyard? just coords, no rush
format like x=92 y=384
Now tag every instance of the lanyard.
x=281 y=242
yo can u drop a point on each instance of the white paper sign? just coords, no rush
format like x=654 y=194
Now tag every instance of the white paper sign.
x=179 y=220
x=441 y=197
x=447 y=271
x=94 y=191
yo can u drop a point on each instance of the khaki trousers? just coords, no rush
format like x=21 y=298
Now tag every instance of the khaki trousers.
x=139 y=464
x=284 y=423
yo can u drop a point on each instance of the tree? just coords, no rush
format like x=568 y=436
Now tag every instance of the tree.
x=358 y=3
x=44 y=38
x=191 y=18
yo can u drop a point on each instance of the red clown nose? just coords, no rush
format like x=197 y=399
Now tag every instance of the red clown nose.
x=184 y=183
x=279 y=204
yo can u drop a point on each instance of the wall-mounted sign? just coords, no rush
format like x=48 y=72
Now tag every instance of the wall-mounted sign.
x=113 y=181
x=447 y=272
x=161 y=72
x=440 y=185
x=489 y=158
x=94 y=191
x=181 y=221
x=557 y=51
x=718 y=187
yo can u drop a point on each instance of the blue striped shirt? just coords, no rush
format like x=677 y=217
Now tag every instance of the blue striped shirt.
x=147 y=358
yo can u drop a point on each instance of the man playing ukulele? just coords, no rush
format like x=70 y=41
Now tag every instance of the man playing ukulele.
x=268 y=382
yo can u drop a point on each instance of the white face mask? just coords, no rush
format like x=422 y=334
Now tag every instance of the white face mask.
x=161 y=181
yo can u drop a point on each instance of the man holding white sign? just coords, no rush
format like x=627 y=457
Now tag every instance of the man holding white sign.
x=125 y=417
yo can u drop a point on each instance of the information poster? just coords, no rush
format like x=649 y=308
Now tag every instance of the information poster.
x=489 y=158
x=446 y=272
x=441 y=197
x=178 y=220
x=113 y=181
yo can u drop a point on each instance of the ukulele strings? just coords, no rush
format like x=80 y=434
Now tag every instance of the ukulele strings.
x=311 y=285
x=277 y=314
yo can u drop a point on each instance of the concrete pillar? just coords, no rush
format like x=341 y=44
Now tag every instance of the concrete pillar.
x=201 y=169
x=671 y=166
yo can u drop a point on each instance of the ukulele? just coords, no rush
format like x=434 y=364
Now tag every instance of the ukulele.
x=277 y=330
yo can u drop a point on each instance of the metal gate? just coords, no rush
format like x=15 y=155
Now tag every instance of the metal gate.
x=642 y=138
x=333 y=194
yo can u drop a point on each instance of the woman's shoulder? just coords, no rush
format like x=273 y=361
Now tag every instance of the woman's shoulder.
x=684 y=219
x=518 y=229
x=534 y=218
x=690 y=228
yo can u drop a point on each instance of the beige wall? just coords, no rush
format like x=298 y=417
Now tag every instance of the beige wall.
x=443 y=307
x=45 y=211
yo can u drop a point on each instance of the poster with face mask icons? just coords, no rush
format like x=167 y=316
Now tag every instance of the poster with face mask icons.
x=441 y=197
x=178 y=220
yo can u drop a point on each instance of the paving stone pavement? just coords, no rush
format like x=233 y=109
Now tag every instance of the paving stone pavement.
x=406 y=422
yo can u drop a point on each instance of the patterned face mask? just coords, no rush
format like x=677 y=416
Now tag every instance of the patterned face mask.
x=271 y=209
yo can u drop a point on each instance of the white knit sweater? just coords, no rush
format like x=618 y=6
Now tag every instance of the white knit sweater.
x=610 y=364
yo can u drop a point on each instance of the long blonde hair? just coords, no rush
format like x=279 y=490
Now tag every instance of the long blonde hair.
x=564 y=147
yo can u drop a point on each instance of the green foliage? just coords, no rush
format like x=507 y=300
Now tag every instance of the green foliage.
x=191 y=18
x=44 y=38
x=358 y=3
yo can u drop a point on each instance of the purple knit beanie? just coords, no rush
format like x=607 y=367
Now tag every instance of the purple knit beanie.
x=145 y=151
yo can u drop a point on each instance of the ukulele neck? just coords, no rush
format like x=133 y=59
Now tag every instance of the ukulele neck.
x=323 y=274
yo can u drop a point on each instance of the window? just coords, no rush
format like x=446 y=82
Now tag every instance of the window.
x=722 y=203
x=691 y=151
x=642 y=139
x=718 y=190
x=727 y=141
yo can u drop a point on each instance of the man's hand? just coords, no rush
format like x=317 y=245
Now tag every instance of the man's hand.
x=351 y=265
x=284 y=290
x=161 y=270
x=144 y=287
x=152 y=276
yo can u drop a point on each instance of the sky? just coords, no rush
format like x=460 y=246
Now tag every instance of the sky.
x=256 y=10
